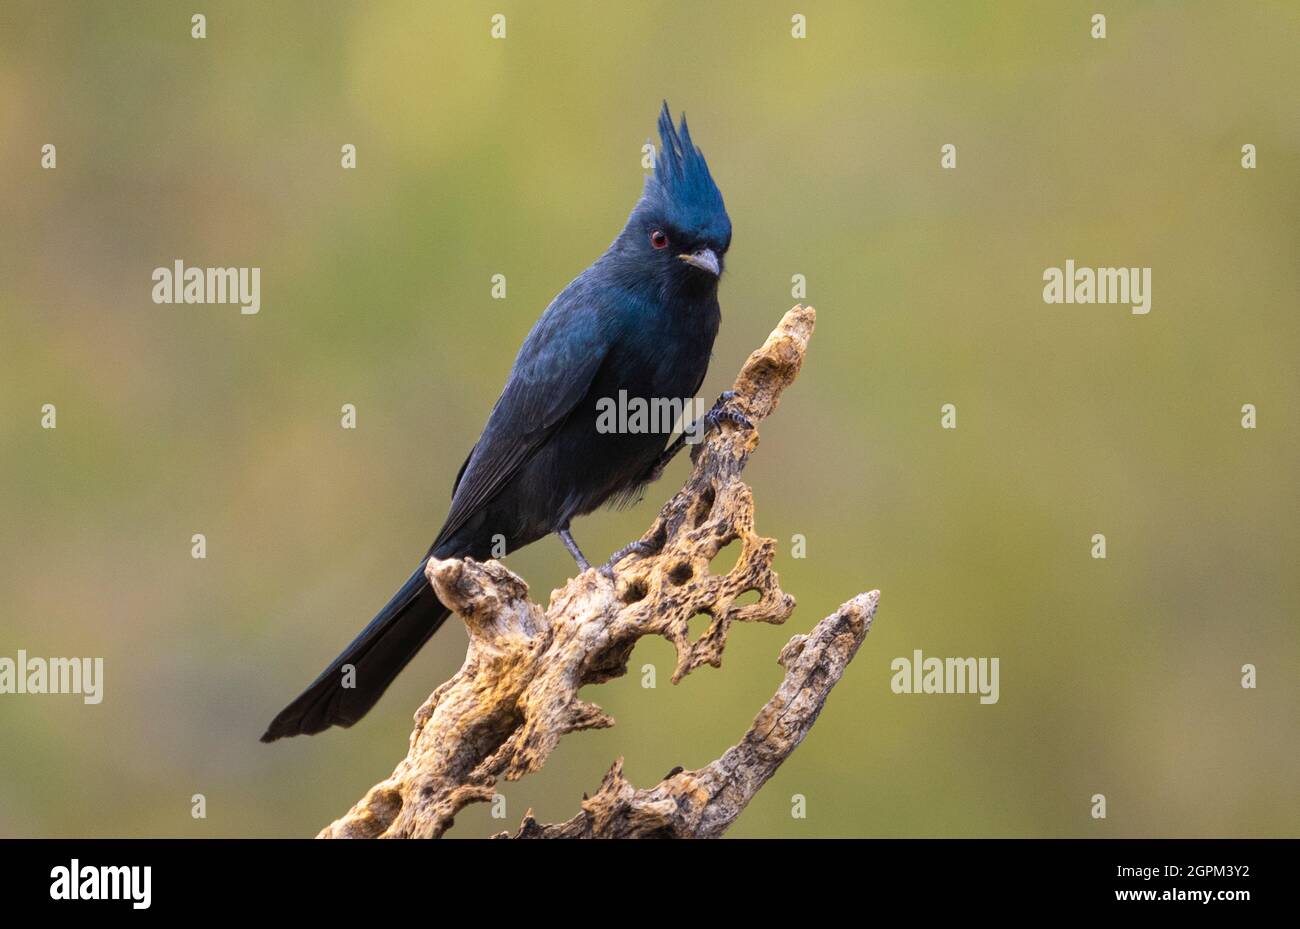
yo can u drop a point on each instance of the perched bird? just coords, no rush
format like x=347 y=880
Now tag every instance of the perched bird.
x=641 y=319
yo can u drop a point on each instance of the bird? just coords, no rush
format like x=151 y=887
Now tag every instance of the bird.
x=642 y=319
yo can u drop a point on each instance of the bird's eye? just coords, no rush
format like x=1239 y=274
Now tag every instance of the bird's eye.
x=659 y=239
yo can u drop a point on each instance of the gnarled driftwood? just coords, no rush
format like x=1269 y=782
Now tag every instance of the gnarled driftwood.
x=515 y=696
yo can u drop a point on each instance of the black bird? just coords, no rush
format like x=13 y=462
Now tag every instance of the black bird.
x=641 y=319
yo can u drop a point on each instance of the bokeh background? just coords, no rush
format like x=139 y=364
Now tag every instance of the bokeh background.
x=479 y=156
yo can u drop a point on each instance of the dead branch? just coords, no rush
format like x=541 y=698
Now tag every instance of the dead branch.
x=704 y=802
x=515 y=696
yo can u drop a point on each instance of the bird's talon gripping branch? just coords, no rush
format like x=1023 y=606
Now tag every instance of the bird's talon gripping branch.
x=713 y=421
x=640 y=548
x=715 y=418
x=719 y=414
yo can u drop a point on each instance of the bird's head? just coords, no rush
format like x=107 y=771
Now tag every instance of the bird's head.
x=680 y=227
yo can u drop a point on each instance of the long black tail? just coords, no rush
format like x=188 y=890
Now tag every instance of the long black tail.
x=376 y=656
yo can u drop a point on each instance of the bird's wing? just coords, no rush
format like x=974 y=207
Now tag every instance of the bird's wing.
x=554 y=370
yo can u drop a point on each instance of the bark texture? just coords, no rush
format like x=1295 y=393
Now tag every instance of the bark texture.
x=515 y=696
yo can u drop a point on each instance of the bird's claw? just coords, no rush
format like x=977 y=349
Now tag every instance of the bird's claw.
x=714 y=419
x=640 y=547
x=719 y=414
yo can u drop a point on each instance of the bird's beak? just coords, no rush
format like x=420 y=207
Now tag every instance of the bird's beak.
x=704 y=258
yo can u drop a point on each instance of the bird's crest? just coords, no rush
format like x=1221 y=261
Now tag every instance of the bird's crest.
x=682 y=185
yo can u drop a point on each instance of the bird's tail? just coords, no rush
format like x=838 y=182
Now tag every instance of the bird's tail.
x=356 y=679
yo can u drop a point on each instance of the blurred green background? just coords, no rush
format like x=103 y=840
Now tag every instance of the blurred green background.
x=522 y=156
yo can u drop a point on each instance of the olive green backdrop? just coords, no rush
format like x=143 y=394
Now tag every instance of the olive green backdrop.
x=522 y=156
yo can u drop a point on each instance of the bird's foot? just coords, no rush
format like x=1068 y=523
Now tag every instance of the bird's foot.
x=694 y=436
x=719 y=414
x=640 y=548
x=714 y=419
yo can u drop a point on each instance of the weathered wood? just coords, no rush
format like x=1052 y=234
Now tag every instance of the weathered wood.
x=704 y=802
x=515 y=696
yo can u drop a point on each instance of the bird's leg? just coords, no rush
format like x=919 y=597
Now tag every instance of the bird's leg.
x=567 y=538
x=665 y=459
x=713 y=421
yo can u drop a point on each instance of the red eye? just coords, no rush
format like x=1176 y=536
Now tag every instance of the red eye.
x=658 y=239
